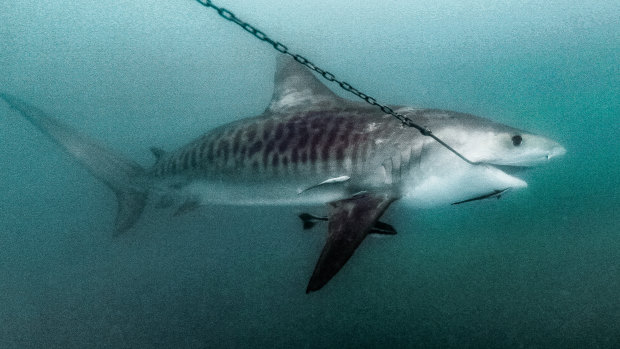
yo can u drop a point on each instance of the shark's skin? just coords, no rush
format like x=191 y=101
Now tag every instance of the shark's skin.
x=313 y=147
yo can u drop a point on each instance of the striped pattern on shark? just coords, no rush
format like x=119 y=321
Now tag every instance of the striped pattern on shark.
x=311 y=146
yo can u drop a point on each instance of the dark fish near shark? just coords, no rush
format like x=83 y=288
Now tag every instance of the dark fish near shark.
x=311 y=146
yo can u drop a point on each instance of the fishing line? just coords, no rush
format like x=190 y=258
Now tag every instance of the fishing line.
x=278 y=46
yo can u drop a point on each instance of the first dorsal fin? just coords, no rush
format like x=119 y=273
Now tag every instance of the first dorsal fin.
x=296 y=87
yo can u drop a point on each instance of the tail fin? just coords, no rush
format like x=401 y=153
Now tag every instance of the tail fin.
x=123 y=176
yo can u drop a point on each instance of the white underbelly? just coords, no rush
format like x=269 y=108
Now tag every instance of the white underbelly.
x=271 y=193
x=464 y=182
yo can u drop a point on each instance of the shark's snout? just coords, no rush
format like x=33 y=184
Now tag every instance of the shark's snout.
x=556 y=151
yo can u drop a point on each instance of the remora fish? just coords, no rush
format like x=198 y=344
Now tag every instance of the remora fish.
x=311 y=146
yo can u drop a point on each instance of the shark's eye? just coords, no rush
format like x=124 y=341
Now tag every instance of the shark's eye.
x=516 y=140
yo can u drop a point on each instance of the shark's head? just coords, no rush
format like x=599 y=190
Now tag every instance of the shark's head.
x=499 y=150
x=482 y=140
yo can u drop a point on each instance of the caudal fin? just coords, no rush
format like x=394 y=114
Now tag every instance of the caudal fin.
x=126 y=178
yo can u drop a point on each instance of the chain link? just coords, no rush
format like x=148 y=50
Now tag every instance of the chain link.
x=278 y=46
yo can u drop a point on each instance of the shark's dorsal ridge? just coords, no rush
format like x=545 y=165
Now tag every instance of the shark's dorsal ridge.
x=296 y=87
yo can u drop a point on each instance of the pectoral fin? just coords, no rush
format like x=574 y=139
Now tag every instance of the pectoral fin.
x=350 y=220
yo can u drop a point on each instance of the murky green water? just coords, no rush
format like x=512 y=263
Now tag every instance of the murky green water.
x=538 y=268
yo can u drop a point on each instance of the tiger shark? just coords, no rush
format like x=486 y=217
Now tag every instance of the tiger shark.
x=310 y=147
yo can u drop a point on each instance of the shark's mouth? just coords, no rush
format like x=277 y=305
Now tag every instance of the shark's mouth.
x=508 y=171
x=512 y=170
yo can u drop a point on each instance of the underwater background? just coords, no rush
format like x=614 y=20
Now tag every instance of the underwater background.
x=538 y=268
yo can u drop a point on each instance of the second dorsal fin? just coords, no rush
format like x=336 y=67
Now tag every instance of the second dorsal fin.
x=158 y=152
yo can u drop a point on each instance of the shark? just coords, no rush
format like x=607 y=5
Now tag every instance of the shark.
x=313 y=147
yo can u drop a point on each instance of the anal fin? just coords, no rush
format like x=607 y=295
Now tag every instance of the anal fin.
x=188 y=206
x=350 y=220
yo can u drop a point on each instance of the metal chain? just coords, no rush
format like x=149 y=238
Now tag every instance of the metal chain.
x=280 y=47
